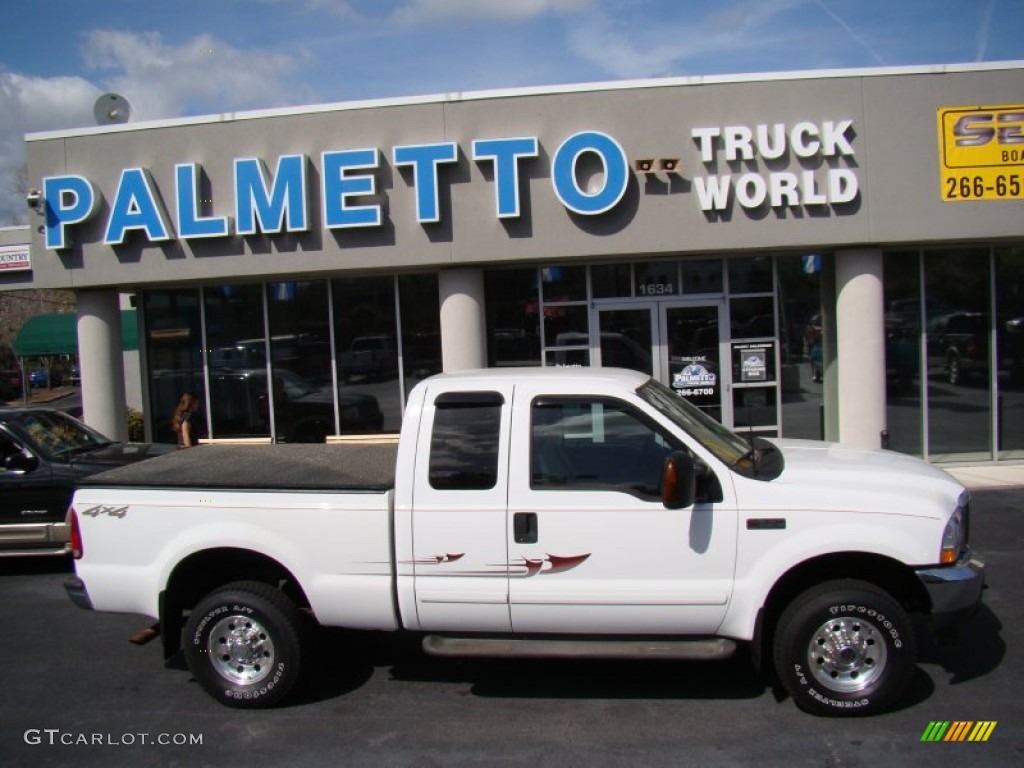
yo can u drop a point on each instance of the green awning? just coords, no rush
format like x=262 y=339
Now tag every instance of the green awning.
x=44 y=335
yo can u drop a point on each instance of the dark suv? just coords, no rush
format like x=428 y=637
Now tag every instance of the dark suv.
x=43 y=453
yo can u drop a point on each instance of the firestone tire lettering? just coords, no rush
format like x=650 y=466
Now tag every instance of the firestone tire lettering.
x=844 y=648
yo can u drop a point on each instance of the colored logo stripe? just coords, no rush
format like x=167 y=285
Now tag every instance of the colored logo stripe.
x=959 y=730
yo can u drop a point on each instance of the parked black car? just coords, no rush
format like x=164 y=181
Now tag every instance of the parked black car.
x=43 y=453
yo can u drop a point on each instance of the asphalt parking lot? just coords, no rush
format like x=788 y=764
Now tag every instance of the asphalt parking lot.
x=75 y=692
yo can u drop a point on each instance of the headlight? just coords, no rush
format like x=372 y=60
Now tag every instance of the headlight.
x=954 y=538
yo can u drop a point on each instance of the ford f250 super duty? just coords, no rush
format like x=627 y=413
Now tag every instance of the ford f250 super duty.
x=549 y=512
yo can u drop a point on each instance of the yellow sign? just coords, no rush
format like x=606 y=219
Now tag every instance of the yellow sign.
x=981 y=152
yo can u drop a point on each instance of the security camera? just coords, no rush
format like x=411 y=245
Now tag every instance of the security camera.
x=34 y=198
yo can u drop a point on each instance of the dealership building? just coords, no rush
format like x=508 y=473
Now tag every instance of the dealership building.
x=834 y=254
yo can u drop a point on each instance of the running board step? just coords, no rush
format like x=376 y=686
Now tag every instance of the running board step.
x=574 y=648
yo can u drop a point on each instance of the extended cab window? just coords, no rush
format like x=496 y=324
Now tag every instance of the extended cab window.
x=464 y=443
x=596 y=443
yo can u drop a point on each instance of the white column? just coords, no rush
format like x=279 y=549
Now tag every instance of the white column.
x=860 y=336
x=101 y=359
x=463 y=325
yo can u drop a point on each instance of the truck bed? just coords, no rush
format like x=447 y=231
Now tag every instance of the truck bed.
x=307 y=467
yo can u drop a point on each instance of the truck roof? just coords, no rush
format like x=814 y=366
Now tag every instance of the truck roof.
x=618 y=377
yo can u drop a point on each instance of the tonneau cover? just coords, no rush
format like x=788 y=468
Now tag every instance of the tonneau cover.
x=307 y=467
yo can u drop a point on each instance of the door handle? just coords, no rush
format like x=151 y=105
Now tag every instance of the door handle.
x=524 y=527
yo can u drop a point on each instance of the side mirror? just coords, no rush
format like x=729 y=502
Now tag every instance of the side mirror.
x=679 y=481
x=23 y=461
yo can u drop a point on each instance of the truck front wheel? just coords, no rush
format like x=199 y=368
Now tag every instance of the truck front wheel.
x=243 y=644
x=844 y=648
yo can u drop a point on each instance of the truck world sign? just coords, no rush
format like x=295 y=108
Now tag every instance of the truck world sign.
x=265 y=204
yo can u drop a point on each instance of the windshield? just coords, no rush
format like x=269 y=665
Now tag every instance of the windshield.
x=56 y=434
x=728 y=447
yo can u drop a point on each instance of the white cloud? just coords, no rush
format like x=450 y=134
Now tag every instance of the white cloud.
x=202 y=74
x=34 y=104
x=427 y=11
x=626 y=48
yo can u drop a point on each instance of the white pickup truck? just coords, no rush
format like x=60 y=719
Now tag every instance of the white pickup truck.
x=545 y=512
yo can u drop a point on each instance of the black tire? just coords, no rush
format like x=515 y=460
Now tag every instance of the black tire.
x=844 y=648
x=243 y=644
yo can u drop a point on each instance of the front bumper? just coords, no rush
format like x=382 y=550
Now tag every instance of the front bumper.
x=955 y=590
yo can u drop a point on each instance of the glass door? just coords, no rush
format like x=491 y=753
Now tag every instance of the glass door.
x=678 y=343
x=627 y=337
x=691 y=355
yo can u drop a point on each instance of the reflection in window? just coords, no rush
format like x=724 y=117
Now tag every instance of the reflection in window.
x=801 y=349
x=752 y=318
x=513 y=320
x=750 y=274
x=656 y=278
x=421 y=327
x=611 y=281
x=301 y=357
x=239 y=402
x=958 y=354
x=566 y=326
x=366 y=341
x=1010 y=343
x=902 y=287
x=702 y=276
x=173 y=354
x=564 y=283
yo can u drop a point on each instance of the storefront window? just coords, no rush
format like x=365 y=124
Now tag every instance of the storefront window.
x=366 y=342
x=801 y=345
x=239 y=402
x=300 y=354
x=611 y=281
x=565 y=326
x=174 y=355
x=750 y=274
x=564 y=283
x=958 y=354
x=656 y=279
x=752 y=318
x=902 y=289
x=513 y=319
x=1010 y=343
x=421 y=327
x=702 y=276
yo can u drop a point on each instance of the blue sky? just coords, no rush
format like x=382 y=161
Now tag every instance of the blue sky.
x=173 y=58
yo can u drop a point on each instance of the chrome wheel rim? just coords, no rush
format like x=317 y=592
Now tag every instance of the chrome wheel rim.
x=847 y=654
x=241 y=650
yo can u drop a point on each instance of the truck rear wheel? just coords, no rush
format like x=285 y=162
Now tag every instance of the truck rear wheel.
x=243 y=644
x=844 y=648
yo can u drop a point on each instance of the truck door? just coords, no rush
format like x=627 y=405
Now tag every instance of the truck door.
x=592 y=548
x=460 y=556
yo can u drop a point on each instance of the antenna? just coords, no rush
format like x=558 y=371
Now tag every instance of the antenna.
x=112 y=109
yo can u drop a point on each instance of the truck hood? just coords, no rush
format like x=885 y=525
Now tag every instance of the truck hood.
x=830 y=476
